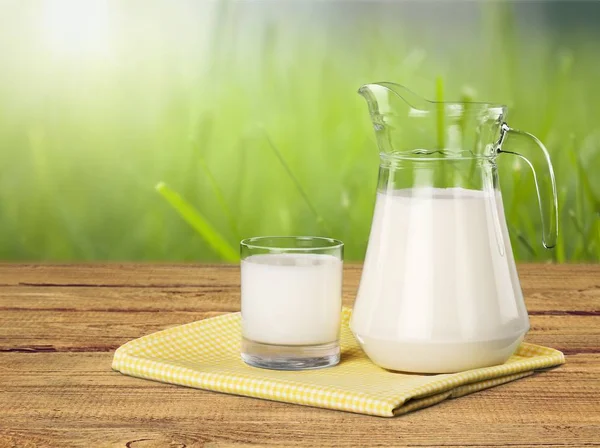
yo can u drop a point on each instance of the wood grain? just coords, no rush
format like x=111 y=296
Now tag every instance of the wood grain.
x=59 y=325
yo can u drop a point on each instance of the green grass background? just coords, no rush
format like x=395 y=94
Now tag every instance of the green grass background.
x=166 y=149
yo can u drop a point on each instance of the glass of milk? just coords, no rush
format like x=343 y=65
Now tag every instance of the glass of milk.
x=291 y=301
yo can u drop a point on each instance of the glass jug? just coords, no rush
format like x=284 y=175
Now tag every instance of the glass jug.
x=439 y=291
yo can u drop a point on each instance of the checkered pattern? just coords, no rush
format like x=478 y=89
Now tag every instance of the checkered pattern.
x=206 y=355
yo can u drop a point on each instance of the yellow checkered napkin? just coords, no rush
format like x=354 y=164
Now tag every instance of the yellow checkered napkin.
x=206 y=355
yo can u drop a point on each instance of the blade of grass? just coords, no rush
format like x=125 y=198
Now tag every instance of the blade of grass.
x=559 y=251
x=220 y=198
x=595 y=231
x=297 y=184
x=563 y=77
x=240 y=176
x=204 y=135
x=193 y=217
x=584 y=177
x=526 y=244
x=579 y=227
x=439 y=98
x=466 y=98
x=584 y=196
x=578 y=247
x=441 y=128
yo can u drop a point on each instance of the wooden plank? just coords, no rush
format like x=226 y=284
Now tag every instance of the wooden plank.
x=122 y=299
x=542 y=277
x=65 y=399
x=216 y=288
x=123 y=274
x=83 y=331
x=119 y=274
x=48 y=330
x=227 y=299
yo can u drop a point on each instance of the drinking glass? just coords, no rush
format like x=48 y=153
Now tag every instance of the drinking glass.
x=291 y=301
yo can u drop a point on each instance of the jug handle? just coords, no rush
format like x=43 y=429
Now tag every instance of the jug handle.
x=547 y=200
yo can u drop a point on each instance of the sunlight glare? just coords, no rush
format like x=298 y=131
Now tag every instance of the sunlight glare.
x=76 y=26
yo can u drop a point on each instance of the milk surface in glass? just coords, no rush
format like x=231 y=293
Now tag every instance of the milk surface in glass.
x=437 y=293
x=291 y=299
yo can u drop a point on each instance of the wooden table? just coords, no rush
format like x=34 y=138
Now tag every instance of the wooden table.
x=59 y=326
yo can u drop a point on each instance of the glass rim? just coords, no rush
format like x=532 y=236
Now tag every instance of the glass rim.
x=326 y=243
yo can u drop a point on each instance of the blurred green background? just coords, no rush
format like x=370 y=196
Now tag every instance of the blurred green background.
x=122 y=123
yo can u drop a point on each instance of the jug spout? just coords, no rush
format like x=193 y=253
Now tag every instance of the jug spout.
x=389 y=105
x=399 y=117
x=381 y=96
x=405 y=122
